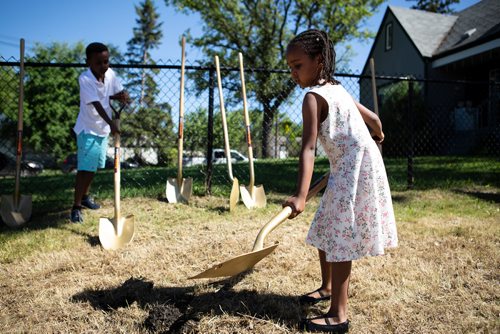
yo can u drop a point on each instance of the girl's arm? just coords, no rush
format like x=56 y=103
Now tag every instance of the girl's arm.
x=372 y=120
x=311 y=108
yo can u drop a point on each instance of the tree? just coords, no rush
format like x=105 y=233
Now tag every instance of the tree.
x=147 y=36
x=150 y=124
x=260 y=29
x=435 y=6
x=9 y=92
x=52 y=98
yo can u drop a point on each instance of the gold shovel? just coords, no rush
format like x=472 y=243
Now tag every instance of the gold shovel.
x=16 y=209
x=119 y=231
x=246 y=261
x=179 y=189
x=252 y=196
x=235 y=190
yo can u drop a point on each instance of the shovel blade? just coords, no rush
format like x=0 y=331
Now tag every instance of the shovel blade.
x=235 y=195
x=258 y=200
x=116 y=234
x=238 y=264
x=16 y=216
x=176 y=194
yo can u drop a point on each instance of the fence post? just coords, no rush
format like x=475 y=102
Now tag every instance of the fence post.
x=411 y=128
x=210 y=132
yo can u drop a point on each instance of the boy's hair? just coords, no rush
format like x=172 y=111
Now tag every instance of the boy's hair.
x=95 y=47
x=316 y=42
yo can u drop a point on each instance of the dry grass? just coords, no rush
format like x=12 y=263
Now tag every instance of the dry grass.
x=442 y=279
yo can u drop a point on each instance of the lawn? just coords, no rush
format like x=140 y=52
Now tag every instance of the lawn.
x=443 y=277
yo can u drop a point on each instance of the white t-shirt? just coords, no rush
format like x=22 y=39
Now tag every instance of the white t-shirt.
x=92 y=90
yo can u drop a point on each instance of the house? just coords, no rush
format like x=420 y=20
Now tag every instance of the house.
x=442 y=51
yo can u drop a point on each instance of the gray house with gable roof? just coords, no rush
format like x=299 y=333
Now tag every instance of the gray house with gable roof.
x=438 y=49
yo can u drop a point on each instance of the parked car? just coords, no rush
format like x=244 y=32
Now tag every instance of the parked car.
x=69 y=164
x=29 y=167
x=219 y=156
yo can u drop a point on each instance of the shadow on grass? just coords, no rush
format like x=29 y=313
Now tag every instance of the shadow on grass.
x=178 y=309
x=39 y=221
x=485 y=196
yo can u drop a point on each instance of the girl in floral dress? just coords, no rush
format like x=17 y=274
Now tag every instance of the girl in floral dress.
x=355 y=217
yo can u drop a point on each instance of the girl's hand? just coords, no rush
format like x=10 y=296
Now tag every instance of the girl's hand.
x=297 y=204
x=378 y=137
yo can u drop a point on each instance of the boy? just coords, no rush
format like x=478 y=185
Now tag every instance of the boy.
x=98 y=84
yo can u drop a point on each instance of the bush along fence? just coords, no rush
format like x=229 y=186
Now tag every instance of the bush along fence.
x=421 y=118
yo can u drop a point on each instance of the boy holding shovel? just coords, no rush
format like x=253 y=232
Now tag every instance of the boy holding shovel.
x=98 y=84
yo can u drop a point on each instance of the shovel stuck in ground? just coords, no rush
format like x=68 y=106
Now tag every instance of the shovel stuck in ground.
x=119 y=231
x=252 y=196
x=246 y=261
x=235 y=189
x=179 y=190
x=16 y=209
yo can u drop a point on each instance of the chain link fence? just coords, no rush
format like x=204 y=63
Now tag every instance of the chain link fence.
x=420 y=118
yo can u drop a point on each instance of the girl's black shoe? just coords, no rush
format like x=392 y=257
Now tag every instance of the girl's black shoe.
x=328 y=327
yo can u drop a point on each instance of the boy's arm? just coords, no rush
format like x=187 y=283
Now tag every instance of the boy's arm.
x=100 y=110
x=372 y=120
x=121 y=96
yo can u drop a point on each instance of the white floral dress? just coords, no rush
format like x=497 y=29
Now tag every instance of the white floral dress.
x=355 y=217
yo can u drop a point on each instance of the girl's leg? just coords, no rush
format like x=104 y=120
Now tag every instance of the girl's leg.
x=341 y=274
x=326 y=273
x=326 y=277
x=337 y=314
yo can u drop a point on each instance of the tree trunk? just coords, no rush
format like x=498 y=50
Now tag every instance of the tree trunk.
x=267 y=122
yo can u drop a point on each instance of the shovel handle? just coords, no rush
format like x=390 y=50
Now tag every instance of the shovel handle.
x=181 y=115
x=117 y=172
x=286 y=212
x=227 y=149
x=19 y=146
x=374 y=93
x=247 y=124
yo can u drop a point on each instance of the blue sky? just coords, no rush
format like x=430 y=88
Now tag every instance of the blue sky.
x=111 y=21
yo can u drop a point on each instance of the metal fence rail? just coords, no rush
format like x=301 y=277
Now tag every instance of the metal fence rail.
x=420 y=117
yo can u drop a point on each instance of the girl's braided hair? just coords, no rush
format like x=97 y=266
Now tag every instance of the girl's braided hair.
x=316 y=42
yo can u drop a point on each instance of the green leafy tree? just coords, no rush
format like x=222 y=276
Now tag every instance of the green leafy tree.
x=147 y=128
x=147 y=36
x=435 y=6
x=149 y=125
x=260 y=29
x=9 y=93
x=52 y=98
x=195 y=130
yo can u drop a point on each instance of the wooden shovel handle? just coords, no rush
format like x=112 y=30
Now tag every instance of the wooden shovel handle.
x=374 y=93
x=247 y=123
x=227 y=149
x=181 y=115
x=286 y=212
x=19 y=146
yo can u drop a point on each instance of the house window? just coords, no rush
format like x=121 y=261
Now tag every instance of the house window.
x=388 y=36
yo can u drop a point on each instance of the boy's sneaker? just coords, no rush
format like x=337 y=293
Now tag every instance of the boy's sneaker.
x=88 y=202
x=76 y=216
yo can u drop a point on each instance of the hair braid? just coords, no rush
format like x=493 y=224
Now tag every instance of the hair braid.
x=316 y=42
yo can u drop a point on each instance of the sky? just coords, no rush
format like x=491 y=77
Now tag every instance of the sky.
x=111 y=21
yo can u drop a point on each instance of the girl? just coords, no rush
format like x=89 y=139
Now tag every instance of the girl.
x=355 y=217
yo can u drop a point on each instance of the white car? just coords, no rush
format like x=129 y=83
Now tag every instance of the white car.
x=219 y=157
